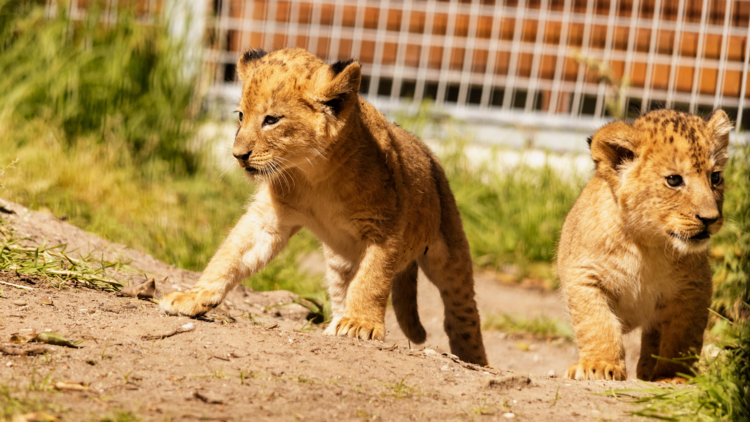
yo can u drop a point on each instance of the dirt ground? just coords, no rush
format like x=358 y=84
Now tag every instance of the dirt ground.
x=256 y=360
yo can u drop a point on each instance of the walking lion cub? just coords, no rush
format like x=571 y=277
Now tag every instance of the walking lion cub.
x=374 y=195
x=633 y=251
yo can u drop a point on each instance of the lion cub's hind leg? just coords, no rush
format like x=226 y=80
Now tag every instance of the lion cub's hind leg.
x=683 y=322
x=650 y=339
x=449 y=269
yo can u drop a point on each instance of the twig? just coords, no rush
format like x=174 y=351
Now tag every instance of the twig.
x=77 y=275
x=16 y=285
x=169 y=334
x=23 y=352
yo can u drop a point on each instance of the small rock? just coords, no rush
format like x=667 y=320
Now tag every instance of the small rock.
x=429 y=352
x=551 y=373
x=145 y=290
x=509 y=415
x=19 y=303
x=445 y=368
x=9 y=364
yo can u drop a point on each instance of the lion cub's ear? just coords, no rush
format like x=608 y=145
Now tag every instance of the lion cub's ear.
x=245 y=59
x=612 y=147
x=344 y=85
x=718 y=128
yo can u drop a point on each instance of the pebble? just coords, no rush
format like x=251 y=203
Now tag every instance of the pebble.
x=509 y=415
x=19 y=303
x=9 y=364
x=445 y=368
x=551 y=373
x=429 y=352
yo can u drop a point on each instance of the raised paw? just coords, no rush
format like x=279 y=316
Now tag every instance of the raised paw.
x=356 y=328
x=596 y=370
x=192 y=303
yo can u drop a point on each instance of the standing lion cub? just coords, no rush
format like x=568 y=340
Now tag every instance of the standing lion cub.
x=633 y=251
x=371 y=192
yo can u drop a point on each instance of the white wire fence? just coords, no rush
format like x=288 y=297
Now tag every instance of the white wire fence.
x=501 y=60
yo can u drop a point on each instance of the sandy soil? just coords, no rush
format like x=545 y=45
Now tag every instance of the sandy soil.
x=252 y=359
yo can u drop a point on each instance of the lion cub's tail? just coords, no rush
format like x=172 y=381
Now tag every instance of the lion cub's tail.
x=404 y=298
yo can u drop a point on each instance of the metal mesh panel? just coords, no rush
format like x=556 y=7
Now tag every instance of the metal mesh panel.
x=501 y=58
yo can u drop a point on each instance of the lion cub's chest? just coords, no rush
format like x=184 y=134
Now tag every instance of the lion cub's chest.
x=343 y=223
x=641 y=289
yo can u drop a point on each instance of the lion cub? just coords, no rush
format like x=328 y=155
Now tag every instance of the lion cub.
x=374 y=195
x=633 y=250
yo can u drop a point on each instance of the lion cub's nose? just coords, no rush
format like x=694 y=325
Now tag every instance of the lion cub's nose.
x=707 y=220
x=242 y=157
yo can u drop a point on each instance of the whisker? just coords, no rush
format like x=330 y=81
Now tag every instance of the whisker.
x=295 y=165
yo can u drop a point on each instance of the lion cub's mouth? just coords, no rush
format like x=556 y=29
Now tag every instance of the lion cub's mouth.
x=695 y=238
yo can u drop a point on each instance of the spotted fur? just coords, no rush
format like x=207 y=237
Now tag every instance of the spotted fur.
x=633 y=250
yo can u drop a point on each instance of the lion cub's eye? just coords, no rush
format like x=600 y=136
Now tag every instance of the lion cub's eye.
x=240 y=116
x=271 y=120
x=674 y=180
x=716 y=177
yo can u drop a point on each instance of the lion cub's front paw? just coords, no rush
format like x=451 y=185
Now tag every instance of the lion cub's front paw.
x=596 y=370
x=192 y=303
x=356 y=328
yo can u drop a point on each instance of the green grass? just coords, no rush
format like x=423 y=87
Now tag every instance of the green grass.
x=17 y=401
x=540 y=327
x=513 y=216
x=102 y=120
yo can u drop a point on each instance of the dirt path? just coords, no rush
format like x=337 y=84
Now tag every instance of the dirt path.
x=506 y=352
x=232 y=367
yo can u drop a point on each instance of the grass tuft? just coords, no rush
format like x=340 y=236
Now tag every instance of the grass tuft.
x=54 y=263
x=541 y=327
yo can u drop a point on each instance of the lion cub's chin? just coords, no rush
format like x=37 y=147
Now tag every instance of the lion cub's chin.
x=690 y=245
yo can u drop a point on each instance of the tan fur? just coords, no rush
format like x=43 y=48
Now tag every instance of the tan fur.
x=371 y=192
x=626 y=258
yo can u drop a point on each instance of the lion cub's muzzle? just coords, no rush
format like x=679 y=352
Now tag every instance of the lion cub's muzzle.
x=710 y=226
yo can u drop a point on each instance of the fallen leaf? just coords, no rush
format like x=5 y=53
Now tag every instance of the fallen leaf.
x=55 y=339
x=17 y=339
x=523 y=346
x=35 y=417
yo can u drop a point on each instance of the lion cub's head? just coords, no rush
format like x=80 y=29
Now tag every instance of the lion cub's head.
x=665 y=171
x=292 y=108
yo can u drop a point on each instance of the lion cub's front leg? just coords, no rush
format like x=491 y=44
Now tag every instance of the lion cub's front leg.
x=366 y=298
x=598 y=332
x=256 y=239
